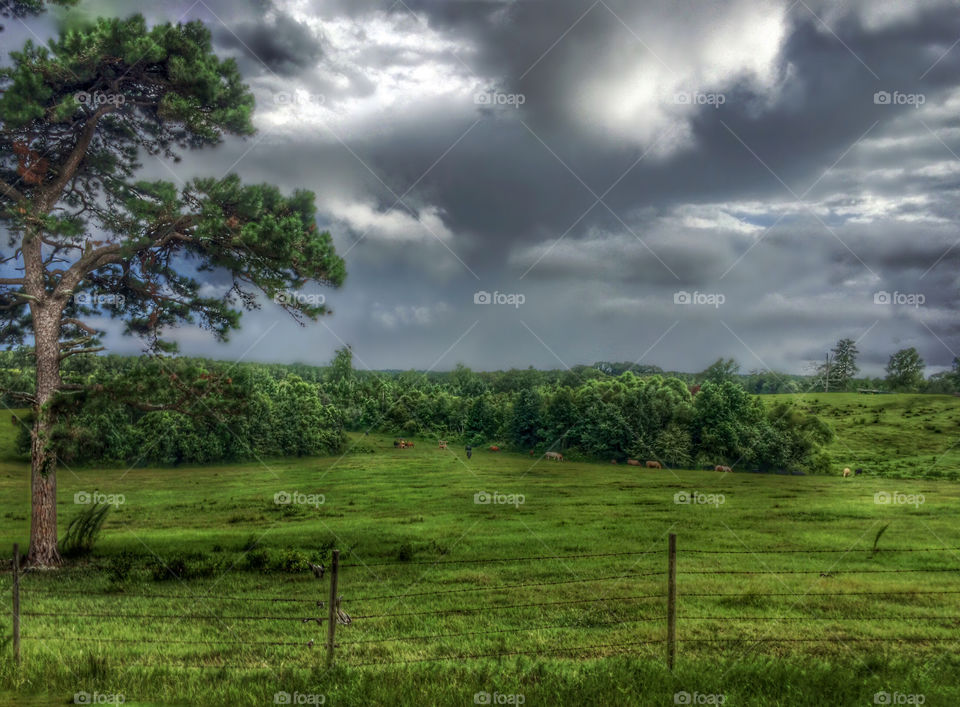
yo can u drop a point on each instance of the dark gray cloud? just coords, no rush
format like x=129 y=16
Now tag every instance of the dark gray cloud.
x=276 y=40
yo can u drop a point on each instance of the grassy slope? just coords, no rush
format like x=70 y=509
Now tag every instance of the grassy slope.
x=379 y=504
x=893 y=435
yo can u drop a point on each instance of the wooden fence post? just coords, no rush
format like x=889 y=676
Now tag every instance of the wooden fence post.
x=332 y=613
x=671 y=600
x=16 y=603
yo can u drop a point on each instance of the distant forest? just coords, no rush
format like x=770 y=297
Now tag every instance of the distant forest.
x=176 y=410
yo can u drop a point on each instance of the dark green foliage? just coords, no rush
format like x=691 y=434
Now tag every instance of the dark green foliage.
x=234 y=413
x=120 y=566
x=248 y=411
x=183 y=566
x=83 y=530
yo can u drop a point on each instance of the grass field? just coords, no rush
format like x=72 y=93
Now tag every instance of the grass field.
x=565 y=630
x=890 y=435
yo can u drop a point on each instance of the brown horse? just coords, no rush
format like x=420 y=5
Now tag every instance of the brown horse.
x=613 y=461
x=718 y=467
x=654 y=465
x=443 y=444
x=494 y=448
x=554 y=456
x=634 y=462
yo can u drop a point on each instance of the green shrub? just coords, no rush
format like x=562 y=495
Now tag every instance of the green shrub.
x=120 y=566
x=405 y=552
x=258 y=559
x=362 y=448
x=83 y=531
x=290 y=560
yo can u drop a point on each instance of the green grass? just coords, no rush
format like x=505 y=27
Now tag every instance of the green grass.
x=890 y=435
x=400 y=517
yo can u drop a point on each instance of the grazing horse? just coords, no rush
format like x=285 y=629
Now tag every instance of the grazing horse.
x=613 y=461
x=857 y=472
x=397 y=442
x=407 y=444
x=494 y=448
x=719 y=467
x=554 y=456
x=654 y=465
x=531 y=452
x=443 y=444
x=846 y=472
x=634 y=462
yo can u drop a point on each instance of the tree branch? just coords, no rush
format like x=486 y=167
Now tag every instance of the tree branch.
x=11 y=193
x=69 y=168
x=93 y=349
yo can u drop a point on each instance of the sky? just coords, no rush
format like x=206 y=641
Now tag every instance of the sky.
x=558 y=182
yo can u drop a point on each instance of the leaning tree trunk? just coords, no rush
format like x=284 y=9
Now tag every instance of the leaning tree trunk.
x=43 y=460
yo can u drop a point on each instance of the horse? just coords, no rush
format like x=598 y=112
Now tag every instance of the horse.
x=634 y=462
x=654 y=465
x=846 y=472
x=554 y=456
x=494 y=448
x=719 y=467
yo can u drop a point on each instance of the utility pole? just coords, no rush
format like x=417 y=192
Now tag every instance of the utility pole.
x=826 y=378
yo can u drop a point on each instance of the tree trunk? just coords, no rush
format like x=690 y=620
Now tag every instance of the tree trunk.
x=43 y=460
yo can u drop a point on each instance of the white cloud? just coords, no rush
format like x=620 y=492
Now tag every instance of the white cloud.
x=409 y=315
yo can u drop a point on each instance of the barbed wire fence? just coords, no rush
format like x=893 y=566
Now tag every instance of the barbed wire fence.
x=331 y=613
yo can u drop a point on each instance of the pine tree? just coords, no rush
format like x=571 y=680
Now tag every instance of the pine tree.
x=86 y=237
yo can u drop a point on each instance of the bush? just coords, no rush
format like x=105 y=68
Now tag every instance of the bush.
x=120 y=566
x=83 y=531
x=362 y=448
x=174 y=567
x=186 y=566
x=258 y=559
x=290 y=560
x=287 y=560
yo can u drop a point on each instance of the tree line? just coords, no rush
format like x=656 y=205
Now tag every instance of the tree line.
x=185 y=410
